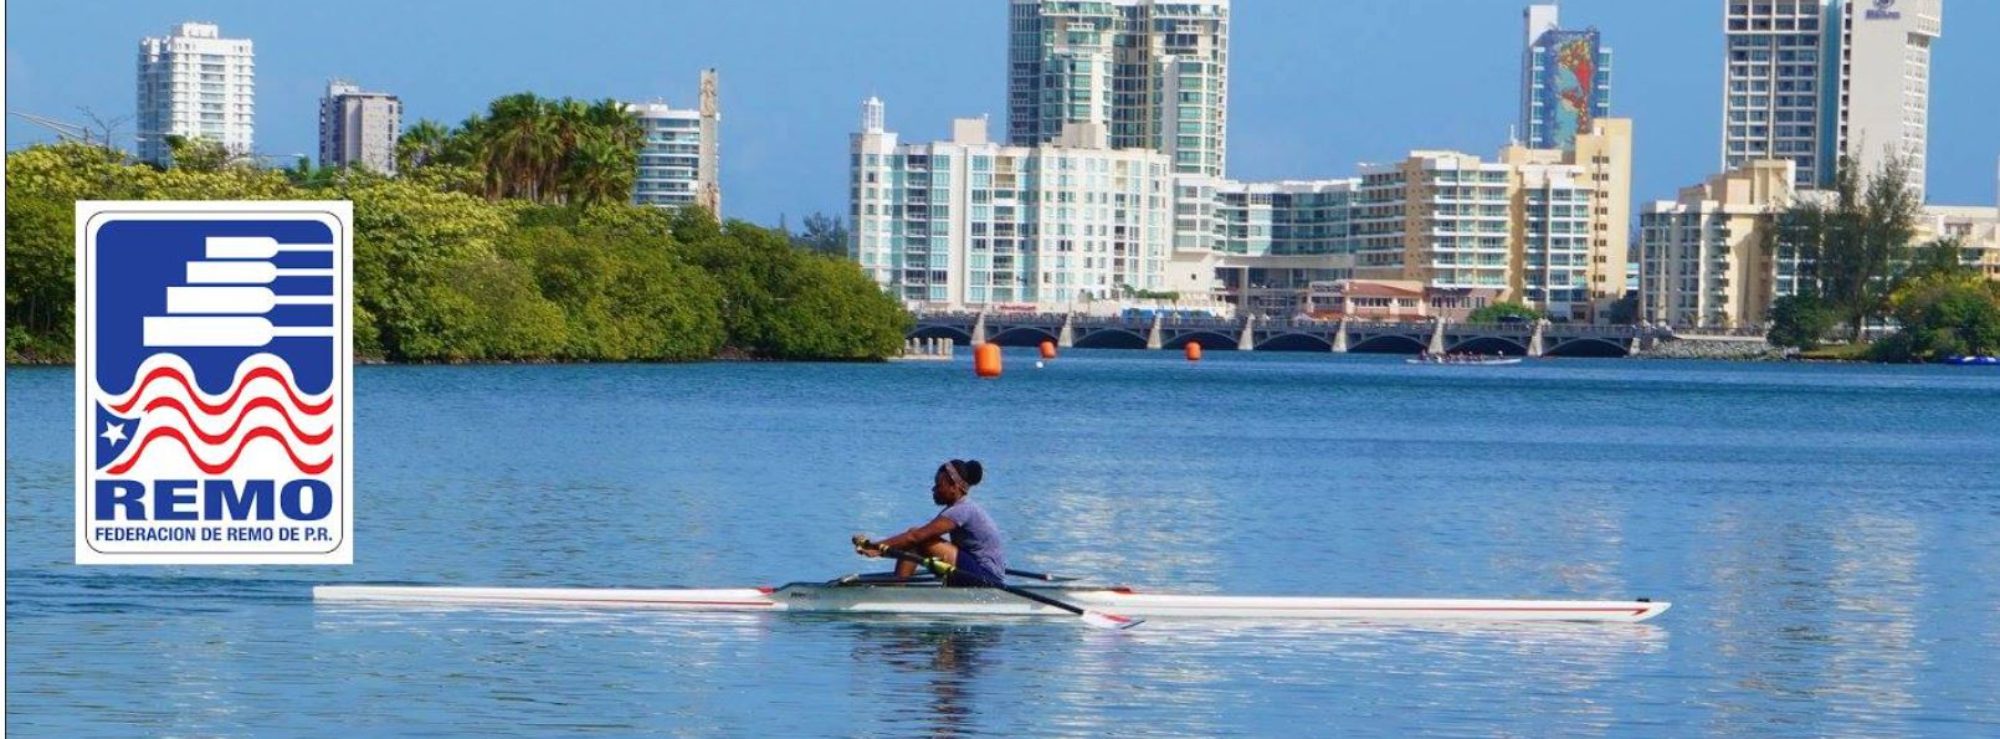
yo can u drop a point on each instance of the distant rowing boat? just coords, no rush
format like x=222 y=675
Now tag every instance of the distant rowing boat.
x=872 y=594
x=1488 y=361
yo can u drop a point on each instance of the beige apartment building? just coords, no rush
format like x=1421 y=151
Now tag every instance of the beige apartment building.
x=1542 y=226
x=1977 y=229
x=1703 y=260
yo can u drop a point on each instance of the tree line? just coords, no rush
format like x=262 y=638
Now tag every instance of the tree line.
x=1857 y=267
x=491 y=247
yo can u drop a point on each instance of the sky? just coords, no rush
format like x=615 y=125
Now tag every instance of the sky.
x=1316 y=86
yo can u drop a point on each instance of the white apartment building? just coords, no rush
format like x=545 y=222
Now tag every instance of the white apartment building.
x=197 y=84
x=1542 y=226
x=678 y=161
x=359 y=129
x=969 y=223
x=1806 y=80
x=1154 y=73
x=1259 y=245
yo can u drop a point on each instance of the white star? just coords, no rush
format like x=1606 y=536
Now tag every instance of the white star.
x=114 y=432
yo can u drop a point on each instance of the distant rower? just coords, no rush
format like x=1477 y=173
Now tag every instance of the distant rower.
x=976 y=551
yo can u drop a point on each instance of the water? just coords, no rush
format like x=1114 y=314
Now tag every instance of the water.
x=1827 y=534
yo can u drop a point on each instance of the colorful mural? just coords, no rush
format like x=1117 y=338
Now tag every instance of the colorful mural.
x=1569 y=94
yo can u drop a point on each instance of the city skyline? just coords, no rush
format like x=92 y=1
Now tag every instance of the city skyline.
x=1301 y=107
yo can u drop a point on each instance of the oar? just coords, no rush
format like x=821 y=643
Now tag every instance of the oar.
x=1095 y=618
x=1040 y=576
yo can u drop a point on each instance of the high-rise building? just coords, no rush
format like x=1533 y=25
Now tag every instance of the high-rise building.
x=1154 y=73
x=1259 y=245
x=1809 y=80
x=1707 y=259
x=1543 y=226
x=678 y=161
x=969 y=223
x=1565 y=80
x=196 y=84
x=359 y=129
x=1703 y=257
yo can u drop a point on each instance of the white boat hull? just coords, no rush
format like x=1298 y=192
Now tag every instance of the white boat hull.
x=831 y=598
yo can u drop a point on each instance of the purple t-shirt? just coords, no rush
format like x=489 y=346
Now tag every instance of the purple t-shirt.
x=980 y=545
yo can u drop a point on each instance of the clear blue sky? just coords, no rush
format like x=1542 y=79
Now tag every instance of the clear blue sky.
x=1316 y=85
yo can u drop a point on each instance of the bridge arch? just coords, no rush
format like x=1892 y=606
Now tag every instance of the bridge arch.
x=940 y=332
x=1022 y=336
x=1387 y=344
x=1588 y=347
x=1111 y=338
x=1207 y=340
x=1296 y=342
x=1490 y=345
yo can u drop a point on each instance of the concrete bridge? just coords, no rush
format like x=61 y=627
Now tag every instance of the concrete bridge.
x=1534 y=339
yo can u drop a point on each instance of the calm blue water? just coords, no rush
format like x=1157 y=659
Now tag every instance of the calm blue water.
x=1830 y=536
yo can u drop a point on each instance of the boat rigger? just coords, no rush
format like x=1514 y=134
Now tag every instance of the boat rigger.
x=871 y=594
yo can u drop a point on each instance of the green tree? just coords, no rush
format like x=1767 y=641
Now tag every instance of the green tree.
x=421 y=145
x=1624 y=311
x=1943 y=316
x=1848 y=246
x=409 y=243
x=1507 y=309
x=622 y=298
x=197 y=154
x=823 y=234
x=442 y=273
x=1940 y=257
x=41 y=278
x=783 y=303
x=1801 y=321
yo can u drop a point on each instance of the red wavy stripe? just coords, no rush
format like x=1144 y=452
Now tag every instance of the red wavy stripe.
x=217 y=409
x=254 y=404
x=216 y=469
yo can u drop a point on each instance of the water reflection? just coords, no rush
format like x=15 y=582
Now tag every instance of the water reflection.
x=946 y=658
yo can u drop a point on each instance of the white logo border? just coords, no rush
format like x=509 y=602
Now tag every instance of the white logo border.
x=338 y=215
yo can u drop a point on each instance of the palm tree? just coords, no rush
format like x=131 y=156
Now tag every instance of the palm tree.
x=598 y=172
x=422 y=145
x=522 y=145
x=605 y=158
x=543 y=150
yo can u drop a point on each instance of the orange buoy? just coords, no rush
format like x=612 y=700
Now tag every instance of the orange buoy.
x=1194 y=351
x=986 y=360
x=1048 y=350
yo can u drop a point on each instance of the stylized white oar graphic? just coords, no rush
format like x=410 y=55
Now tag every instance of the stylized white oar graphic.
x=235 y=290
x=249 y=273
x=222 y=331
x=234 y=300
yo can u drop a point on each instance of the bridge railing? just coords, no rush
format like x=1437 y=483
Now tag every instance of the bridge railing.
x=1183 y=323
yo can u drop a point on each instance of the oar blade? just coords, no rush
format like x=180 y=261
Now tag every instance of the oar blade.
x=1110 y=620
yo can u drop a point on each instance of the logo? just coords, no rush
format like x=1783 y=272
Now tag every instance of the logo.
x=1884 y=10
x=215 y=383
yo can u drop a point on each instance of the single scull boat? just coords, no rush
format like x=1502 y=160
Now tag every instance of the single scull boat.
x=878 y=594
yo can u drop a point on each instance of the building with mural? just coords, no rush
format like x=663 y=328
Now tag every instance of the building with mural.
x=1565 y=80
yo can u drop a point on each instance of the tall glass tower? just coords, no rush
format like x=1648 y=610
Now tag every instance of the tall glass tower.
x=1155 y=73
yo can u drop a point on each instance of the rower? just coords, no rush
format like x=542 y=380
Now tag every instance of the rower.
x=974 y=556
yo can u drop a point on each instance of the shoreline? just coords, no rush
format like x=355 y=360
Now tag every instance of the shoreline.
x=1789 y=358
